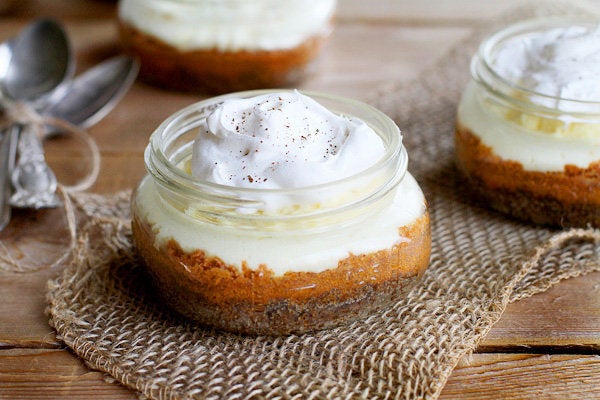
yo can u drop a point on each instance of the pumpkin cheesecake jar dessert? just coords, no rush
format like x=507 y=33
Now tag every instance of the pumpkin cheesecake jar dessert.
x=219 y=46
x=276 y=212
x=528 y=125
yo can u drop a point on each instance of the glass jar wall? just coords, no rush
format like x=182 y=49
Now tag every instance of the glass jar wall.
x=219 y=46
x=217 y=257
x=529 y=154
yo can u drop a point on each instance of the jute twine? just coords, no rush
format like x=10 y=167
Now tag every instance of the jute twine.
x=21 y=113
x=102 y=308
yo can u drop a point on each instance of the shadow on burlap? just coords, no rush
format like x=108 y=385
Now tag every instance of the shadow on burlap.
x=102 y=309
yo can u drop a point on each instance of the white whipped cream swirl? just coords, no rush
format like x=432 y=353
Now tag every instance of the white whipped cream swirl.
x=561 y=62
x=281 y=141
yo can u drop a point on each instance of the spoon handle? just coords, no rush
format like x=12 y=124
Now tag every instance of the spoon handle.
x=33 y=181
x=29 y=147
x=8 y=151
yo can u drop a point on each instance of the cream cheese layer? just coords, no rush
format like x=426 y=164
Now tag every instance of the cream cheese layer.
x=535 y=149
x=229 y=25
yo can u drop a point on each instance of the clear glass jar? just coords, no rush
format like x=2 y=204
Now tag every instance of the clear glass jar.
x=218 y=258
x=529 y=155
x=219 y=46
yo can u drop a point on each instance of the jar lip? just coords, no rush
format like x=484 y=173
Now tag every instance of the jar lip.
x=483 y=71
x=394 y=149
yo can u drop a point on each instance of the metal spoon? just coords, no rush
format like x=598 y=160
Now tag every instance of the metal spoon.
x=39 y=62
x=93 y=94
x=89 y=97
x=8 y=143
x=33 y=181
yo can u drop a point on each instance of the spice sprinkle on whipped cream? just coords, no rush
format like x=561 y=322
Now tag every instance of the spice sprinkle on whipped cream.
x=281 y=141
x=562 y=62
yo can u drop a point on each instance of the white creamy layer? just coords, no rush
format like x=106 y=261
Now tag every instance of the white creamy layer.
x=536 y=151
x=562 y=62
x=282 y=141
x=282 y=251
x=230 y=25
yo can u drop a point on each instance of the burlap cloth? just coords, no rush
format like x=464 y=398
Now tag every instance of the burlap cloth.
x=481 y=261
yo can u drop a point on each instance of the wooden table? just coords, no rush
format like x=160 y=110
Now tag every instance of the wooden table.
x=547 y=346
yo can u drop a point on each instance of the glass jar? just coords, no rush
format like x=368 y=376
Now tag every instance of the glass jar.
x=219 y=46
x=218 y=257
x=529 y=155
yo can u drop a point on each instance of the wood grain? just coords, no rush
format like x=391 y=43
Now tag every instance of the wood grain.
x=565 y=317
x=374 y=43
x=510 y=376
x=24 y=323
x=53 y=374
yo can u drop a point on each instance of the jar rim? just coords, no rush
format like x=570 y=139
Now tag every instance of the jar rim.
x=484 y=73
x=171 y=172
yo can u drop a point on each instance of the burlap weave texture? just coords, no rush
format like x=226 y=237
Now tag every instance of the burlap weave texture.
x=101 y=307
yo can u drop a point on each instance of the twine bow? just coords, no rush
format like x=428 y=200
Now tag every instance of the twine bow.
x=21 y=113
x=17 y=112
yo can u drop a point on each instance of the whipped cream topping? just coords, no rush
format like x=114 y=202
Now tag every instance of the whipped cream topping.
x=230 y=25
x=281 y=141
x=561 y=62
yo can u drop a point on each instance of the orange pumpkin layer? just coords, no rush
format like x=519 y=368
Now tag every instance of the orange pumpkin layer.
x=214 y=71
x=569 y=198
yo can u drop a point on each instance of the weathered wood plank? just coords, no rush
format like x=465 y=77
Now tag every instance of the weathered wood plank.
x=411 y=12
x=510 y=376
x=360 y=58
x=63 y=9
x=567 y=316
x=438 y=13
x=24 y=323
x=52 y=374
x=394 y=40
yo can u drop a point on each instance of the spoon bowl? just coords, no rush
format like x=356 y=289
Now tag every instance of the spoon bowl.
x=40 y=62
x=93 y=94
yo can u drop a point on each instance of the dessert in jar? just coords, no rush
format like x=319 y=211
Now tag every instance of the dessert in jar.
x=528 y=124
x=278 y=212
x=219 y=46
